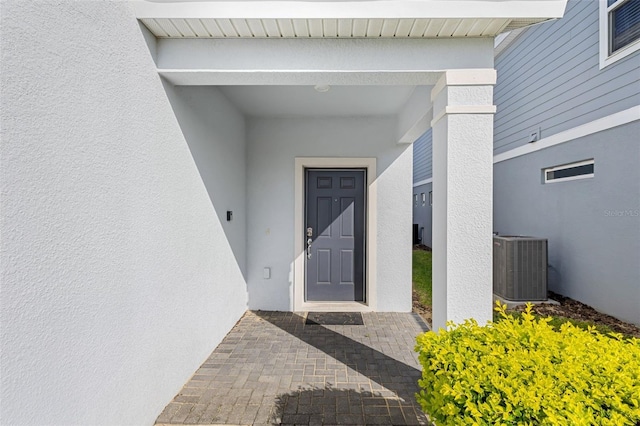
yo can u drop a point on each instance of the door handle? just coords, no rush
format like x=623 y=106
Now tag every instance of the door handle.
x=309 y=241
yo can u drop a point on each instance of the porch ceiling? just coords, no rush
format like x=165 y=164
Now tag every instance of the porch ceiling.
x=343 y=19
x=302 y=101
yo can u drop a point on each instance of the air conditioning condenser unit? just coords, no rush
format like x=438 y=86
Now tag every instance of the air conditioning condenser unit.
x=520 y=268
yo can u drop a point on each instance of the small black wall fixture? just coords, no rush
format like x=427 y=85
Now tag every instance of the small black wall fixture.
x=229 y=215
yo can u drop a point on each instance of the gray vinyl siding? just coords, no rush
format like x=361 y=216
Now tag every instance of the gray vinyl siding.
x=422 y=170
x=422 y=157
x=549 y=78
x=422 y=215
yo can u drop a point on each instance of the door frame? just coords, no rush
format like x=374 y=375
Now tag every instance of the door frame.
x=371 y=203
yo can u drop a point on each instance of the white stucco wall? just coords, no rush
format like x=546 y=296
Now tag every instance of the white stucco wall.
x=118 y=278
x=215 y=132
x=273 y=144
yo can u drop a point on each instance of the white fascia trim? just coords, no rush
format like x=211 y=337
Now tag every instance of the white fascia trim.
x=389 y=9
x=604 y=123
x=422 y=182
x=507 y=41
x=605 y=58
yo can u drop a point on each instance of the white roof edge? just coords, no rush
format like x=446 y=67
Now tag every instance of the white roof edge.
x=385 y=9
x=506 y=42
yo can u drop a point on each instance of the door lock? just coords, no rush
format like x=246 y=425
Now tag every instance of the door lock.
x=309 y=241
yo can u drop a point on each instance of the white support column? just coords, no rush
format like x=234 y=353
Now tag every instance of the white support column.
x=462 y=196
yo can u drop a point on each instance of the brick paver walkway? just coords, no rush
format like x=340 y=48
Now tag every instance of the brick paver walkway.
x=273 y=369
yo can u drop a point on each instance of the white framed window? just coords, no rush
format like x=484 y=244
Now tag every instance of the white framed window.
x=579 y=170
x=430 y=198
x=619 y=30
x=423 y=198
x=415 y=200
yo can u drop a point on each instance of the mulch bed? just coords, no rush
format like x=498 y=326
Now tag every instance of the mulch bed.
x=568 y=308
x=423 y=310
x=573 y=309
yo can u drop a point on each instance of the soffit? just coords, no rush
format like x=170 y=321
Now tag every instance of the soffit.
x=324 y=28
x=347 y=19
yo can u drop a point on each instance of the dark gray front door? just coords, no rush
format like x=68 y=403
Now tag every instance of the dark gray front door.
x=334 y=235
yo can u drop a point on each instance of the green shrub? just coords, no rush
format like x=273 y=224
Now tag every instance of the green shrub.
x=522 y=371
x=557 y=321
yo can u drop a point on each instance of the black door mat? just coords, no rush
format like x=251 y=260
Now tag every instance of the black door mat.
x=334 y=318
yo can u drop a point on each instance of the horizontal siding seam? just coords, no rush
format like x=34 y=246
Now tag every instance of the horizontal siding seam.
x=536 y=75
x=538 y=71
x=540 y=32
x=537 y=42
x=422 y=182
x=591 y=100
x=627 y=116
x=552 y=134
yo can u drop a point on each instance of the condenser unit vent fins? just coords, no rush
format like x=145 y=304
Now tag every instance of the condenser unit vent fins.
x=520 y=268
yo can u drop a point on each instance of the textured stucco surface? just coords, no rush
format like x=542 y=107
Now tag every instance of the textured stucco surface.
x=593 y=225
x=462 y=209
x=117 y=277
x=328 y=54
x=270 y=202
x=215 y=132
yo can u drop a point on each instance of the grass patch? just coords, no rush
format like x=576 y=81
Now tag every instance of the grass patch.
x=422 y=275
x=422 y=286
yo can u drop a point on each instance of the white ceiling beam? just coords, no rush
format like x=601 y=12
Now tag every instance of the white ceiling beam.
x=203 y=77
x=414 y=117
x=320 y=54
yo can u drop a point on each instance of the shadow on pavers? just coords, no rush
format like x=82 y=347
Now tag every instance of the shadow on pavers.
x=330 y=406
x=347 y=403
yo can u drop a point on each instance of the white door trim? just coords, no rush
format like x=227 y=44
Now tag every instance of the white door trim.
x=299 y=304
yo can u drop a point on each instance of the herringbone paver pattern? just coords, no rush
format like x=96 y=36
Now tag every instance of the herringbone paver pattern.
x=273 y=369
